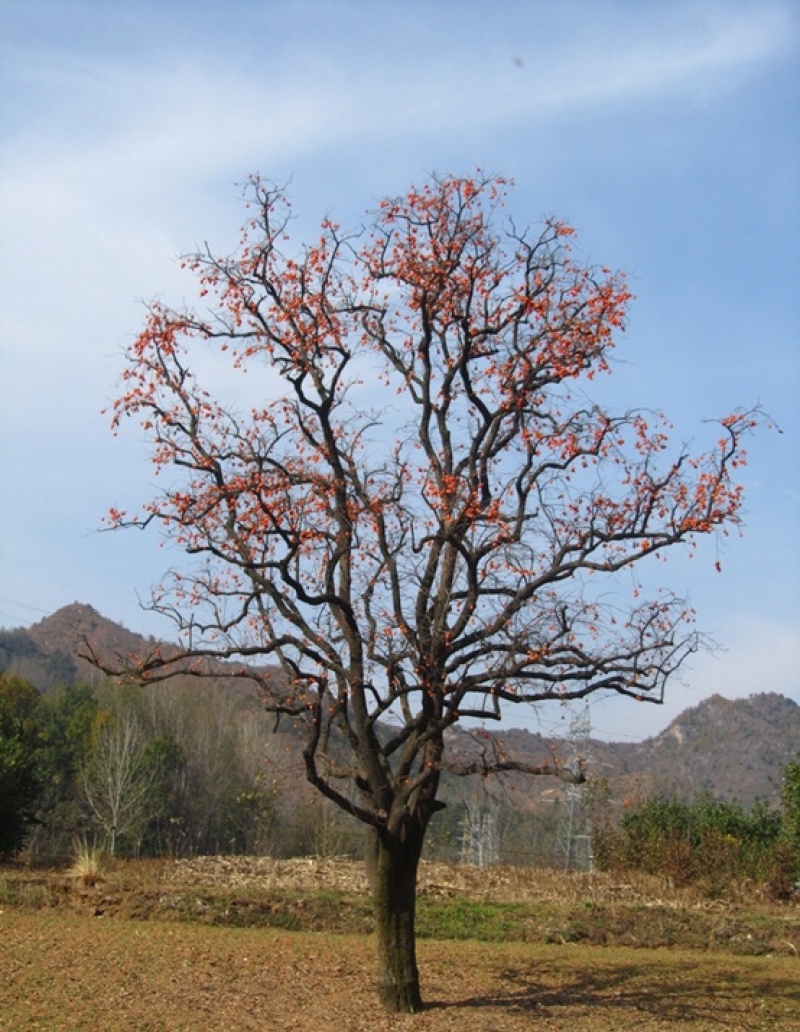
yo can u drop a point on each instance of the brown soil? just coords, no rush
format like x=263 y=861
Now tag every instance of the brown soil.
x=70 y=962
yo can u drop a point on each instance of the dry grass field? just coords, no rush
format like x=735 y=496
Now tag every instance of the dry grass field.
x=228 y=945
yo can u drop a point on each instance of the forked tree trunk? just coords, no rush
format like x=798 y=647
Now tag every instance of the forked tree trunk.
x=392 y=862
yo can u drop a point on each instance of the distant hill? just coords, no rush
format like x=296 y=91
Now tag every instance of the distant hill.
x=65 y=630
x=734 y=749
x=59 y=641
x=54 y=644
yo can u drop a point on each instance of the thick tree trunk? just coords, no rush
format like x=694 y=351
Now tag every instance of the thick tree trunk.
x=392 y=862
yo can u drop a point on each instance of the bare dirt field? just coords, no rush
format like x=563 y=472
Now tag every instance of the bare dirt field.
x=70 y=959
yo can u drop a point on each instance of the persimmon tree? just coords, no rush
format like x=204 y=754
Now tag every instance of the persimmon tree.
x=423 y=520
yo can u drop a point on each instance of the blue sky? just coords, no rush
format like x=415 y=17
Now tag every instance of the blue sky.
x=666 y=133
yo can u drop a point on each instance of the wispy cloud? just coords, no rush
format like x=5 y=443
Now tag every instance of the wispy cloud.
x=188 y=115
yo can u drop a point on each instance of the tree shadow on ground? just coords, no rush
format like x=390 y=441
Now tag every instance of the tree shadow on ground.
x=679 y=993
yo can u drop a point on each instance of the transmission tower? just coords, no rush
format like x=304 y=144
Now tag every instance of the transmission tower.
x=574 y=842
x=479 y=839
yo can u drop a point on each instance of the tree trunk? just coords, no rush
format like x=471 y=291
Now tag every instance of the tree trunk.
x=392 y=862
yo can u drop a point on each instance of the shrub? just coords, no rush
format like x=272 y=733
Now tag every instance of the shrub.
x=708 y=842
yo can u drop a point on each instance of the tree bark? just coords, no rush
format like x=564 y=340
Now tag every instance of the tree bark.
x=392 y=862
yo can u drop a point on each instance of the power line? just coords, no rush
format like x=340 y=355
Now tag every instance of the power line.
x=22 y=605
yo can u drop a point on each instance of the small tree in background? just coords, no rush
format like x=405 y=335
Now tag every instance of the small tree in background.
x=119 y=776
x=423 y=518
x=65 y=718
x=713 y=843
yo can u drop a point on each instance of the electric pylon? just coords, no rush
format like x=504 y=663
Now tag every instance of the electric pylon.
x=479 y=846
x=574 y=843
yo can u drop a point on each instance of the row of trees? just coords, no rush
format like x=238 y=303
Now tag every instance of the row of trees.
x=167 y=769
x=145 y=771
x=164 y=769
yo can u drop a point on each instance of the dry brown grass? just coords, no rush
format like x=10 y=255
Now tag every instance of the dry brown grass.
x=497 y=884
x=88 y=863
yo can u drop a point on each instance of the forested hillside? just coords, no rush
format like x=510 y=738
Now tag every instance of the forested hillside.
x=194 y=767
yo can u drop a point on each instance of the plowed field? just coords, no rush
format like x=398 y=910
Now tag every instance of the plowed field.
x=69 y=967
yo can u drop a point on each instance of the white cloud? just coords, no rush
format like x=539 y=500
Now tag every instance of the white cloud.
x=602 y=61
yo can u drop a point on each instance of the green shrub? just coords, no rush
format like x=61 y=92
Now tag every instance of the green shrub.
x=708 y=842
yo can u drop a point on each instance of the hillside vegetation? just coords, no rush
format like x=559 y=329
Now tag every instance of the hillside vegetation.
x=190 y=769
x=732 y=749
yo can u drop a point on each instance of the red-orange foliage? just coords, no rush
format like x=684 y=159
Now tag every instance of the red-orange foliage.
x=415 y=521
